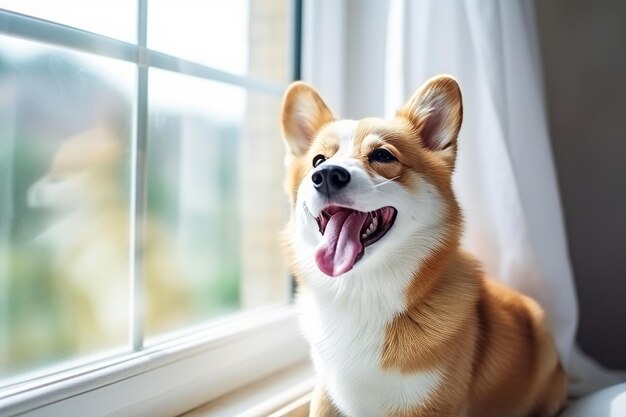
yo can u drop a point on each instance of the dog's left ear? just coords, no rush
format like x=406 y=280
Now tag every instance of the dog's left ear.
x=436 y=113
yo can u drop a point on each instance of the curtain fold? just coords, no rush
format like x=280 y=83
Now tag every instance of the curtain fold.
x=505 y=178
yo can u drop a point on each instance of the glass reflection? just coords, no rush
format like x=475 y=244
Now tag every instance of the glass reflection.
x=65 y=124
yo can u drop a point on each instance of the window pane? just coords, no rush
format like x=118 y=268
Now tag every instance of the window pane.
x=65 y=125
x=113 y=18
x=215 y=201
x=238 y=36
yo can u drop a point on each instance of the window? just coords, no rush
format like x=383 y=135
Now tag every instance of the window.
x=141 y=199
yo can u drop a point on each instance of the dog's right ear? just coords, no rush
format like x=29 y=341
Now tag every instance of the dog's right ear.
x=303 y=115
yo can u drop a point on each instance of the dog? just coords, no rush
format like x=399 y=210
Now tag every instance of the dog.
x=88 y=239
x=400 y=320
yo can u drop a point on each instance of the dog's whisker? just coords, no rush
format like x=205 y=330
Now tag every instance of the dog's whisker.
x=386 y=181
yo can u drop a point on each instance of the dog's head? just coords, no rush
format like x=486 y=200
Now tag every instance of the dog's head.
x=83 y=174
x=372 y=193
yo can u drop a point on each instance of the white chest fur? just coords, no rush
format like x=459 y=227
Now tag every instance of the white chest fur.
x=346 y=346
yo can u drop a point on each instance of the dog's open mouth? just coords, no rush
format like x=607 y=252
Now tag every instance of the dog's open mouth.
x=346 y=233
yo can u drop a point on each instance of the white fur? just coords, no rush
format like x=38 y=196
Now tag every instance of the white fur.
x=345 y=132
x=345 y=317
x=346 y=346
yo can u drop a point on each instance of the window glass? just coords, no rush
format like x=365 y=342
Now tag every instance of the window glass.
x=65 y=129
x=113 y=18
x=214 y=157
x=213 y=213
x=239 y=36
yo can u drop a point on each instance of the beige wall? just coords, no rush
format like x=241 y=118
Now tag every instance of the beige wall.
x=584 y=57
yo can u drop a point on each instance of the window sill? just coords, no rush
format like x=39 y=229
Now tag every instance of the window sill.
x=284 y=394
x=169 y=379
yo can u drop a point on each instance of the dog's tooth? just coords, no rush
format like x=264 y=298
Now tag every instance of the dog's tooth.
x=375 y=222
x=364 y=235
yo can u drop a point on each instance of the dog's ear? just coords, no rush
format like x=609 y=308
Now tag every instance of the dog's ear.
x=436 y=113
x=303 y=115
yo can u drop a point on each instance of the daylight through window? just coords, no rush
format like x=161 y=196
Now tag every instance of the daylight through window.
x=140 y=172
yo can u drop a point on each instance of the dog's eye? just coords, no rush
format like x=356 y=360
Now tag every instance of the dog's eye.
x=318 y=160
x=381 y=155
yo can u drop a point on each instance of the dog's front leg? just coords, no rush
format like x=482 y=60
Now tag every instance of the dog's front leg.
x=321 y=405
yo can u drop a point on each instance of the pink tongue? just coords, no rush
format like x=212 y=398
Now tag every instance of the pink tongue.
x=341 y=243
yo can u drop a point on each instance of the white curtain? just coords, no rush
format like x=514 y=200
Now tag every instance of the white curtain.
x=367 y=58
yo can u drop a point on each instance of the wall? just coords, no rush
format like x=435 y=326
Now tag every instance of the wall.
x=583 y=47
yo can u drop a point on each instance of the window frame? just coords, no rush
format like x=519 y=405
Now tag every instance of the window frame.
x=171 y=378
x=182 y=373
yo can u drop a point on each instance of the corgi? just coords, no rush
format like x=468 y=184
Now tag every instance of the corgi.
x=400 y=320
x=88 y=239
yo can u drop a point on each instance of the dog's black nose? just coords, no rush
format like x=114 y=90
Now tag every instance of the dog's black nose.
x=330 y=178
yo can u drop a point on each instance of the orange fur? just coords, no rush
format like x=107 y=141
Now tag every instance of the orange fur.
x=492 y=343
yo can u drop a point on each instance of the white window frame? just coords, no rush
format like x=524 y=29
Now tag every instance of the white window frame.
x=180 y=374
x=171 y=378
